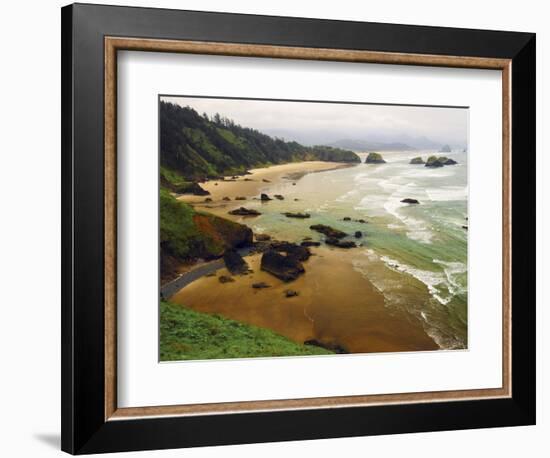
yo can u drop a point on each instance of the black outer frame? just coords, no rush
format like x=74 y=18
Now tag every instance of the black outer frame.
x=84 y=429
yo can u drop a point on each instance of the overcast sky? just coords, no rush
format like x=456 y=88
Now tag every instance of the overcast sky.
x=315 y=123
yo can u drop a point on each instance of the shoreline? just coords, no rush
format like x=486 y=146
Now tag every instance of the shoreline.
x=363 y=324
x=252 y=185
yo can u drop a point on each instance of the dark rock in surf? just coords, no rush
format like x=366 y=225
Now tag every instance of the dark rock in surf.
x=374 y=158
x=234 y=262
x=310 y=243
x=260 y=285
x=263 y=237
x=298 y=252
x=285 y=268
x=297 y=215
x=358 y=234
x=410 y=201
x=340 y=243
x=241 y=211
x=279 y=197
x=265 y=197
x=328 y=231
x=434 y=162
x=417 y=160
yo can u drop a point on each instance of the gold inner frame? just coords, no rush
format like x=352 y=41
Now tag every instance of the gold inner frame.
x=114 y=44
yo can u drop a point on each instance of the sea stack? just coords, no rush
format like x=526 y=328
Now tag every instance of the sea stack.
x=445 y=149
x=417 y=160
x=375 y=158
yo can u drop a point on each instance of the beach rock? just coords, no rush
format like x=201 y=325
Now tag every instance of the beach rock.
x=260 y=285
x=328 y=231
x=225 y=279
x=362 y=221
x=465 y=227
x=285 y=268
x=234 y=262
x=445 y=149
x=309 y=243
x=374 y=158
x=191 y=188
x=279 y=197
x=291 y=293
x=240 y=198
x=296 y=199
x=241 y=211
x=417 y=160
x=263 y=237
x=226 y=198
x=248 y=179
x=358 y=234
x=265 y=197
x=347 y=218
x=336 y=348
x=215 y=184
x=297 y=215
x=293 y=184
x=299 y=252
x=434 y=162
x=339 y=243
x=208 y=199
x=266 y=181
x=410 y=201
x=450 y=162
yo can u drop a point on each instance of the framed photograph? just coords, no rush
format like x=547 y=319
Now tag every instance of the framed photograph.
x=282 y=228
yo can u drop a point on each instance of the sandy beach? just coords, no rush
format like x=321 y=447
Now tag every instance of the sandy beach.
x=362 y=322
x=250 y=186
x=349 y=298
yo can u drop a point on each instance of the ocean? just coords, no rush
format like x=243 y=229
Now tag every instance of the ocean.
x=415 y=255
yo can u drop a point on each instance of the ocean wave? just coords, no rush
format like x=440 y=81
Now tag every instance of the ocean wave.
x=432 y=280
x=417 y=229
x=395 y=296
x=452 y=270
x=447 y=193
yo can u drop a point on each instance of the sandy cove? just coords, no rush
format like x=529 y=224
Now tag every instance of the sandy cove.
x=335 y=305
x=253 y=185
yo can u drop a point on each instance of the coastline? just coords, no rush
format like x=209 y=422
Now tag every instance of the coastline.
x=252 y=185
x=329 y=279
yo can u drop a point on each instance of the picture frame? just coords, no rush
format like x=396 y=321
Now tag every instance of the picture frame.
x=92 y=35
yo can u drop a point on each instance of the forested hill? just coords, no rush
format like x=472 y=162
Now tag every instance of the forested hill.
x=197 y=147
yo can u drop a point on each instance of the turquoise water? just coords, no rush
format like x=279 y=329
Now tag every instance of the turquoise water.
x=415 y=255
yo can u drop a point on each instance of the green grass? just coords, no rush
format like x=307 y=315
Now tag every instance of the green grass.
x=189 y=335
x=178 y=233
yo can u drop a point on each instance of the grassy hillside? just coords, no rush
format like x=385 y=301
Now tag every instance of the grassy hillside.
x=186 y=234
x=195 y=147
x=186 y=334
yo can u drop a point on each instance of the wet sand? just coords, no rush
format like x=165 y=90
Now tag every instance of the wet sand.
x=336 y=305
x=253 y=185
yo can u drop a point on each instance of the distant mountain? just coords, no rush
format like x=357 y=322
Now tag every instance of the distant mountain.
x=196 y=147
x=365 y=145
